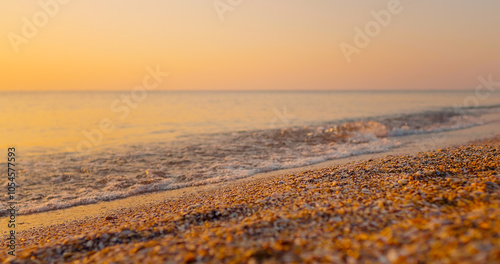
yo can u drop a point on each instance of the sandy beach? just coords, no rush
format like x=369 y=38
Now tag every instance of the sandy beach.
x=439 y=206
x=250 y=132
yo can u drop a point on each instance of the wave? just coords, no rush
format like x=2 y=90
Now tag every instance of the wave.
x=63 y=180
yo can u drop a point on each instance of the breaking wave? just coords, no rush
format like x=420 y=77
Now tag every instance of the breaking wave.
x=65 y=179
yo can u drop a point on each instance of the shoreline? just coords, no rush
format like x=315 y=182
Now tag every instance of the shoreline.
x=442 y=205
x=104 y=208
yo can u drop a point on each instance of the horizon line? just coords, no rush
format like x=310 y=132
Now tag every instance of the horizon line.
x=291 y=90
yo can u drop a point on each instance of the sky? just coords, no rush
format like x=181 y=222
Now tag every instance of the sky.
x=68 y=45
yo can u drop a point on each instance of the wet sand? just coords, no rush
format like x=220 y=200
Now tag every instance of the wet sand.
x=440 y=206
x=410 y=145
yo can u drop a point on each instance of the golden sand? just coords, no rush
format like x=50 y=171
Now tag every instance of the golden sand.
x=441 y=206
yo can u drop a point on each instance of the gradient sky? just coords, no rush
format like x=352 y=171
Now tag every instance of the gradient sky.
x=260 y=45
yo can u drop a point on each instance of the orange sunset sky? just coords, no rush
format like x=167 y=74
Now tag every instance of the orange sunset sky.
x=258 y=45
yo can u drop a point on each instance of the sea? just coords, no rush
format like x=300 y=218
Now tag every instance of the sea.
x=75 y=148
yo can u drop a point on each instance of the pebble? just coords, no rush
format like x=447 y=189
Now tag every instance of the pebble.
x=453 y=217
x=403 y=181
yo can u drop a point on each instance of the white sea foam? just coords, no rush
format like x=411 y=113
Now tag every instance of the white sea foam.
x=57 y=181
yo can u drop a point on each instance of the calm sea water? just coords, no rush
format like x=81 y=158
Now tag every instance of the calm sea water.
x=83 y=147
